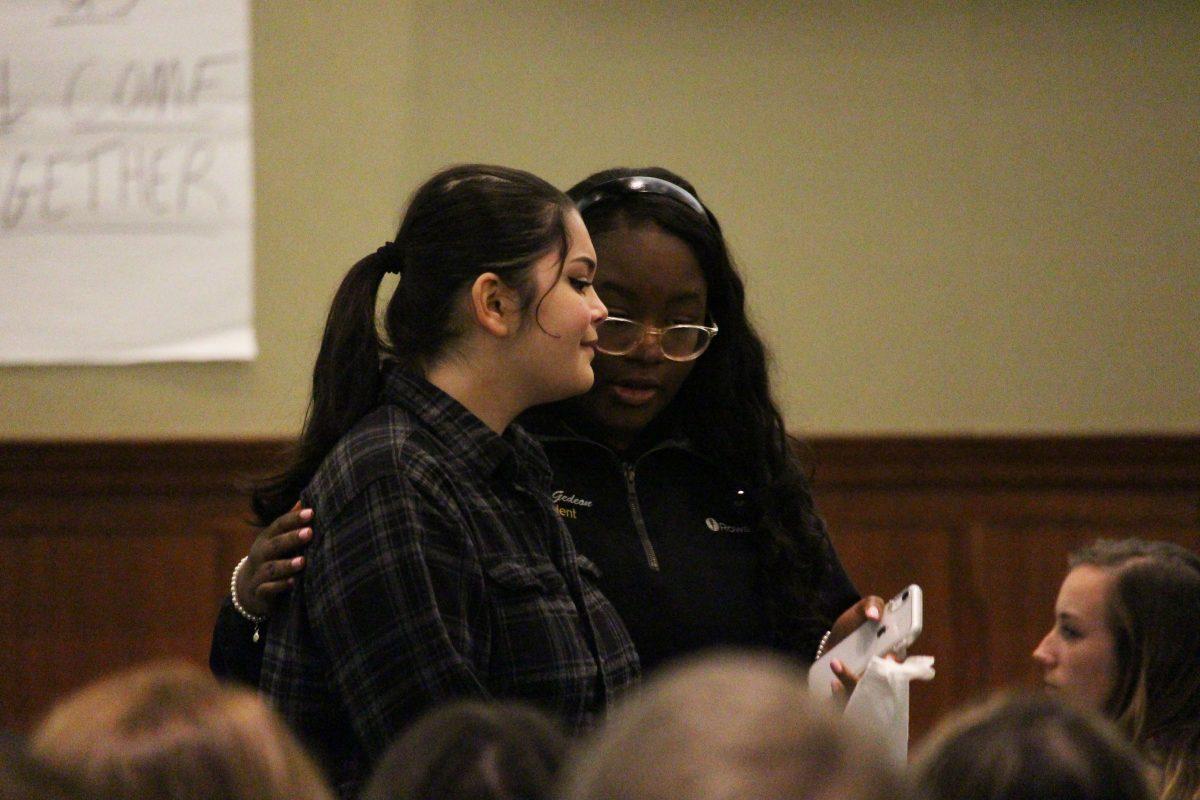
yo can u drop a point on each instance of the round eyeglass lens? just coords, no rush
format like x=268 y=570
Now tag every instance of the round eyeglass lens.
x=618 y=335
x=681 y=342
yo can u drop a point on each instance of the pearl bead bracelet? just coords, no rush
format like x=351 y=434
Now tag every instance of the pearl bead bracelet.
x=237 y=605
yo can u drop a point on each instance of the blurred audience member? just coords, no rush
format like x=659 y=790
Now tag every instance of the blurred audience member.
x=471 y=750
x=172 y=732
x=24 y=778
x=1025 y=747
x=727 y=726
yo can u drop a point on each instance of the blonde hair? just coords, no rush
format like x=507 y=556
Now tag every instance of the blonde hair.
x=726 y=726
x=170 y=731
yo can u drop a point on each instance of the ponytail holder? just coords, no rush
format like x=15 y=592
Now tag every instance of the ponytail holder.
x=391 y=258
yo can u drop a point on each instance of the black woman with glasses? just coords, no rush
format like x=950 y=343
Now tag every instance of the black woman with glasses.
x=674 y=473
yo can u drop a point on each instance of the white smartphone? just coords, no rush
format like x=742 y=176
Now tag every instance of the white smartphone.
x=899 y=628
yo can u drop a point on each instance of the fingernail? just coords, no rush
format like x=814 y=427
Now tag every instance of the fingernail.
x=873 y=613
x=304 y=533
x=835 y=665
x=298 y=561
x=306 y=514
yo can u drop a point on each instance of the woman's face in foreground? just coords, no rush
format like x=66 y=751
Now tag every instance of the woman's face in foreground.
x=558 y=342
x=650 y=276
x=1078 y=655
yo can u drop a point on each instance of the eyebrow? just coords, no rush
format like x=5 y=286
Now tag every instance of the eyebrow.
x=590 y=263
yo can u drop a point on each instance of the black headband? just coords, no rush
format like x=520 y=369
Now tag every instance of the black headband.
x=640 y=183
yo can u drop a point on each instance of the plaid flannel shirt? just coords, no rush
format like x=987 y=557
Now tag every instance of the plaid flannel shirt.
x=439 y=568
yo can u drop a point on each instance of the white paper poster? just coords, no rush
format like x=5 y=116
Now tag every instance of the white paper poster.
x=126 y=195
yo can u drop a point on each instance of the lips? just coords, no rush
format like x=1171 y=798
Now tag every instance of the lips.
x=634 y=392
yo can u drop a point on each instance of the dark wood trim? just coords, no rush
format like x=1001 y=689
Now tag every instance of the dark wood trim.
x=135 y=467
x=1159 y=462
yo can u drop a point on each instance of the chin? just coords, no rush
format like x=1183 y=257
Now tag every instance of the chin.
x=580 y=386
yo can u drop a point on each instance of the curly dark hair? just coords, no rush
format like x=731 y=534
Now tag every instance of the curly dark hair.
x=725 y=407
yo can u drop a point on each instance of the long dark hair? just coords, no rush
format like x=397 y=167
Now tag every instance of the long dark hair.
x=1152 y=614
x=725 y=405
x=464 y=221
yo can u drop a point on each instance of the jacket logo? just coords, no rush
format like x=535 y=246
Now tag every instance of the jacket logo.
x=562 y=497
x=721 y=527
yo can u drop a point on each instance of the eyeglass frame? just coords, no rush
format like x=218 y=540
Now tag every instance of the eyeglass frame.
x=650 y=330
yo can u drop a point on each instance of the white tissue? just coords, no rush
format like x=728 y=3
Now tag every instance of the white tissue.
x=879 y=704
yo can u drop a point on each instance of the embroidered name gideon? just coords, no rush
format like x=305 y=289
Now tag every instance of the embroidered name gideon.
x=571 y=500
x=721 y=527
x=562 y=497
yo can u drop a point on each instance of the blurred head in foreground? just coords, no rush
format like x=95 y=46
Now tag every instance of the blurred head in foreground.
x=726 y=726
x=172 y=732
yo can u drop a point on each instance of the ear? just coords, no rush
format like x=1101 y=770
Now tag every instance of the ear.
x=495 y=305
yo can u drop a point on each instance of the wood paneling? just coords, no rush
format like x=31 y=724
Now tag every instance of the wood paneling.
x=112 y=553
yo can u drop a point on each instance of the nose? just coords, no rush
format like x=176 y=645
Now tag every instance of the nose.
x=599 y=310
x=1043 y=654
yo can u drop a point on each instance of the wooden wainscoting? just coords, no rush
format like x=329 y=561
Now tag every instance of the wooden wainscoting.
x=117 y=552
x=112 y=554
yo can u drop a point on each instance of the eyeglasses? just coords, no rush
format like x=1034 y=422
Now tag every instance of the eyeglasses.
x=619 y=336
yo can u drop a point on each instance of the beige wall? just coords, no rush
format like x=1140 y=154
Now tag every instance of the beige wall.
x=951 y=217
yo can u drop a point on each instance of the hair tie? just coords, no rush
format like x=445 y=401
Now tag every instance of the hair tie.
x=391 y=258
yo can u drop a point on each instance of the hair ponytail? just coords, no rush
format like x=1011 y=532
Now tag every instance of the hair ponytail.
x=345 y=385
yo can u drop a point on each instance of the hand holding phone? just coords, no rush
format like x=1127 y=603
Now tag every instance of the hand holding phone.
x=893 y=633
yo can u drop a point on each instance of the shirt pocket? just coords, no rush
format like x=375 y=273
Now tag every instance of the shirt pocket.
x=537 y=645
x=525 y=576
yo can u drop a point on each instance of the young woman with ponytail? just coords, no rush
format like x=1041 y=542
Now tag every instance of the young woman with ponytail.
x=438 y=566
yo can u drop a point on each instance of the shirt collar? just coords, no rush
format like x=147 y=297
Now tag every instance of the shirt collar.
x=515 y=454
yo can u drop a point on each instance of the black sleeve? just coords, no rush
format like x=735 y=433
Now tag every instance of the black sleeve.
x=836 y=592
x=234 y=654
